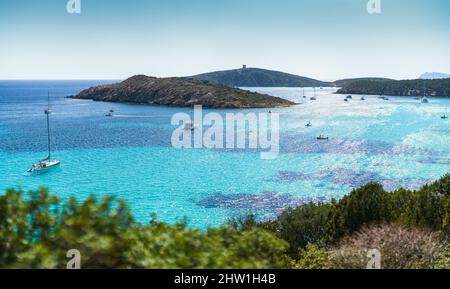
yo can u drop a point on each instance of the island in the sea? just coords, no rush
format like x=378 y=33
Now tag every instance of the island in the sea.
x=257 y=77
x=379 y=86
x=178 y=91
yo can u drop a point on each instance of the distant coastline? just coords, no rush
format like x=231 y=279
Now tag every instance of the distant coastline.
x=257 y=77
x=220 y=89
x=415 y=87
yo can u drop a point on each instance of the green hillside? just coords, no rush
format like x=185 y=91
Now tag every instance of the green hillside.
x=256 y=77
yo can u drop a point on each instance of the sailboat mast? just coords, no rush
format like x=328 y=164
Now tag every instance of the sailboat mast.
x=47 y=112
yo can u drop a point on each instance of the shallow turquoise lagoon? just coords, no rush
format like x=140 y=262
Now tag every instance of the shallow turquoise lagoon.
x=399 y=143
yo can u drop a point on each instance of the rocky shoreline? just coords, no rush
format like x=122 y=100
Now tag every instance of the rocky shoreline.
x=177 y=91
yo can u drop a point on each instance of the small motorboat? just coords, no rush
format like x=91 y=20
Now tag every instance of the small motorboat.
x=322 y=137
x=111 y=110
x=109 y=114
x=270 y=111
x=444 y=117
x=363 y=98
x=424 y=100
x=308 y=124
x=349 y=97
x=346 y=99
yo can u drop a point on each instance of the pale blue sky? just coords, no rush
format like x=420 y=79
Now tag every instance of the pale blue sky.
x=324 y=39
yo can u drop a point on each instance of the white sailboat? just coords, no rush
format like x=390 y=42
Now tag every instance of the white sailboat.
x=47 y=163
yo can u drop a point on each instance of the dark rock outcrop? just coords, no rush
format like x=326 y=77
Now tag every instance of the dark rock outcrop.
x=179 y=92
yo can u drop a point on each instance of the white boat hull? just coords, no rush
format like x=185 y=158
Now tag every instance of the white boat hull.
x=44 y=166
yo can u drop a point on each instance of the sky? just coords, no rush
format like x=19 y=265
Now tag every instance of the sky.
x=322 y=39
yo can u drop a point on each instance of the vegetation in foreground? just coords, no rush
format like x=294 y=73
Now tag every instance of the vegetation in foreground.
x=410 y=228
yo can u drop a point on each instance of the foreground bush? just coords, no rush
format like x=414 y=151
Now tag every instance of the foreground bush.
x=325 y=224
x=401 y=247
x=314 y=257
x=38 y=232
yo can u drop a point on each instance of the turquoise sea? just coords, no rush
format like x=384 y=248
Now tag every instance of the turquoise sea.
x=399 y=143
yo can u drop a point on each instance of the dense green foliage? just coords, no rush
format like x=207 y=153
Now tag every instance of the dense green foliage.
x=256 y=77
x=314 y=257
x=433 y=87
x=443 y=260
x=348 y=81
x=36 y=231
x=324 y=224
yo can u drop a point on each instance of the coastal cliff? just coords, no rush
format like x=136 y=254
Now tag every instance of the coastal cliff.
x=177 y=91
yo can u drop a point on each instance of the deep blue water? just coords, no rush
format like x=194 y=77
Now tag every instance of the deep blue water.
x=397 y=143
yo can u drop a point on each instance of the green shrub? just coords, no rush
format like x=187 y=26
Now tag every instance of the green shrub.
x=443 y=260
x=367 y=204
x=304 y=225
x=325 y=224
x=164 y=246
x=313 y=257
x=38 y=232
x=14 y=227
